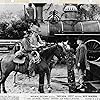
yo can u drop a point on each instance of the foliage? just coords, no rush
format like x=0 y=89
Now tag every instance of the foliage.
x=88 y=11
x=12 y=25
x=13 y=30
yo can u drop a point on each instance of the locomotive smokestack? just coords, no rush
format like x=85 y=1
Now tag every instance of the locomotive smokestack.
x=39 y=11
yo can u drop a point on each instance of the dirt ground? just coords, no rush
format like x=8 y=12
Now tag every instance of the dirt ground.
x=26 y=85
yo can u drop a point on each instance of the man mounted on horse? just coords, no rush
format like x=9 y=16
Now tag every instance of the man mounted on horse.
x=28 y=59
x=35 y=39
x=30 y=43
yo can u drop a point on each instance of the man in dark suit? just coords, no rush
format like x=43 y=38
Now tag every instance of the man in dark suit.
x=81 y=62
x=30 y=12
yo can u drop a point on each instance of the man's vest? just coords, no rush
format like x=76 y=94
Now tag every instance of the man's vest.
x=81 y=54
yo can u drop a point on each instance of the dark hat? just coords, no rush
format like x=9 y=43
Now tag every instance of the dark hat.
x=30 y=4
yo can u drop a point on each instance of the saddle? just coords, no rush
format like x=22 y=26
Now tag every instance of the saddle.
x=19 y=58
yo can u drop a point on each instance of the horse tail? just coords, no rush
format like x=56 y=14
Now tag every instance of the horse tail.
x=0 y=63
x=0 y=70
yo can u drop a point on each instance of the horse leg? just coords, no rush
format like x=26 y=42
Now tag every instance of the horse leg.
x=15 y=78
x=0 y=87
x=48 y=71
x=41 y=82
x=3 y=83
x=3 y=86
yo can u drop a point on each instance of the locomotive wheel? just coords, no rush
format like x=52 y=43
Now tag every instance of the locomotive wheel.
x=93 y=47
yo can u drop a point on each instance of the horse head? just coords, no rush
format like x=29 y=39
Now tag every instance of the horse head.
x=59 y=52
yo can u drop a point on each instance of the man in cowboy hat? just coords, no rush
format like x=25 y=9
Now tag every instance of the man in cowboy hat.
x=81 y=62
x=27 y=50
x=35 y=39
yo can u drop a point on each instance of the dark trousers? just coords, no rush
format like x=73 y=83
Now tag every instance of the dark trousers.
x=79 y=73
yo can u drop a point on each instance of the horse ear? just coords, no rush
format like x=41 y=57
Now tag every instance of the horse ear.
x=56 y=43
x=62 y=42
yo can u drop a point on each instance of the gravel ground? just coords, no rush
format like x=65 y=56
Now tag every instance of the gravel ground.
x=26 y=85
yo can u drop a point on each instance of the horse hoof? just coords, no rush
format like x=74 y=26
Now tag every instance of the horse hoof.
x=15 y=84
x=4 y=91
x=41 y=91
x=49 y=90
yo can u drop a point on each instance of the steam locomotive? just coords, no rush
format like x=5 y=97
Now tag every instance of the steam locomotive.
x=69 y=27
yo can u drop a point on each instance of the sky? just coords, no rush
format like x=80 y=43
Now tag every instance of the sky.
x=11 y=7
x=8 y=10
x=19 y=6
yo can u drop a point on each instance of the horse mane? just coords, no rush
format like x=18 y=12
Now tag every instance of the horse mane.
x=48 y=49
x=51 y=47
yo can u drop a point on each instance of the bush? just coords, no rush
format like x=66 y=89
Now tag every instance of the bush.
x=13 y=30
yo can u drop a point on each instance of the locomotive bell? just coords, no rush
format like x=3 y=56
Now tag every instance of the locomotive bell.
x=70 y=8
x=69 y=17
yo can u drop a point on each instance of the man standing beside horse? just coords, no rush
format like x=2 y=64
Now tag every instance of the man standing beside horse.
x=81 y=63
x=35 y=38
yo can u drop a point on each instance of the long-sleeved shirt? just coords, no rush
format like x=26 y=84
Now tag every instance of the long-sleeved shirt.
x=26 y=44
x=81 y=54
x=35 y=40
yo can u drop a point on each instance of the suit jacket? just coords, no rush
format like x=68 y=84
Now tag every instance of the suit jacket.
x=30 y=11
x=81 y=54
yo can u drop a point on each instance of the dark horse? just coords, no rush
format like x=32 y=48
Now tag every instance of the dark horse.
x=7 y=66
